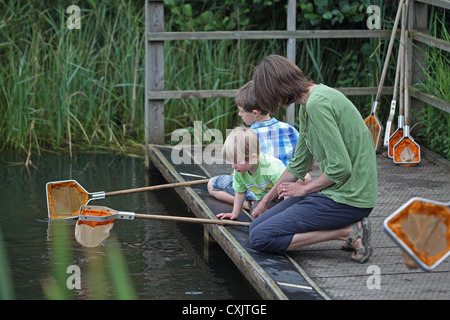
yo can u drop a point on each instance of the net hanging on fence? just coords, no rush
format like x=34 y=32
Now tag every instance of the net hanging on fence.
x=374 y=128
x=407 y=152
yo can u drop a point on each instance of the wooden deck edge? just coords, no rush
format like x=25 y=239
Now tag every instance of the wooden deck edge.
x=308 y=278
x=435 y=158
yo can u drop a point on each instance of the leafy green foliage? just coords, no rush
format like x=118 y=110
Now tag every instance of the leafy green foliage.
x=326 y=14
x=220 y=15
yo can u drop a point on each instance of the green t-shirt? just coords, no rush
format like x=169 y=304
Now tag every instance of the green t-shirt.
x=269 y=171
x=333 y=132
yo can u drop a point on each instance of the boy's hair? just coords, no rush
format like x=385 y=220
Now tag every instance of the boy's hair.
x=278 y=81
x=240 y=144
x=245 y=98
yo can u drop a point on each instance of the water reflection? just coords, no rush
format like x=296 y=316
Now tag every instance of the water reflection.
x=164 y=260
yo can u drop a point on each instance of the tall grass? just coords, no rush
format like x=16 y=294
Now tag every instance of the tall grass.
x=209 y=65
x=435 y=124
x=78 y=87
x=66 y=89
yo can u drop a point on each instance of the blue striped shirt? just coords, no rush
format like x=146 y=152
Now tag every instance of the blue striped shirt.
x=276 y=138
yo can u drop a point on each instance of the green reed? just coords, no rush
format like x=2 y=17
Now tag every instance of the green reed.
x=435 y=124
x=209 y=65
x=6 y=286
x=78 y=87
x=105 y=275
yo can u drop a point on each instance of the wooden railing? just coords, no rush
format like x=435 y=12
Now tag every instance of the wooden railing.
x=418 y=32
x=155 y=37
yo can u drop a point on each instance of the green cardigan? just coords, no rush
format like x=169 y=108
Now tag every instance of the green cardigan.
x=333 y=132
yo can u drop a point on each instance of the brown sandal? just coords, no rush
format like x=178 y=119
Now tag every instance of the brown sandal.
x=362 y=254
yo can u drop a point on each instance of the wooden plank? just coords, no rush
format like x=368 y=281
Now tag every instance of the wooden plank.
x=430 y=99
x=267 y=34
x=365 y=91
x=416 y=54
x=429 y=40
x=154 y=76
x=438 y=3
x=291 y=49
x=184 y=94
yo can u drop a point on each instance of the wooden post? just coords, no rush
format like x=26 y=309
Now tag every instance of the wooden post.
x=291 y=46
x=418 y=20
x=154 y=74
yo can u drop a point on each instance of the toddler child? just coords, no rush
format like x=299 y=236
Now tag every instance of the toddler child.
x=252 y=170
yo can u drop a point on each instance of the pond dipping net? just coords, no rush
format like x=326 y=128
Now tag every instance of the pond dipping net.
x=65 y=199
x=374 y=128
x=425 y=229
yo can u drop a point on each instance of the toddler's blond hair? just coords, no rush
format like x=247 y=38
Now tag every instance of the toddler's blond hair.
x=240 y=144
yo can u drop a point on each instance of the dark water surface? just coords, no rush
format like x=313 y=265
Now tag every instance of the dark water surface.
x=164 y=260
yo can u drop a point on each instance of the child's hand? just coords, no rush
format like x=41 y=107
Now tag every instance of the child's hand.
x=227 y=216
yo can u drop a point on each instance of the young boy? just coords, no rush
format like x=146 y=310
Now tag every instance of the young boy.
x=252 y=170
x=276 y=138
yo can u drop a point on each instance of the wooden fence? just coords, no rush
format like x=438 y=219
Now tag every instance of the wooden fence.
x=154 y=58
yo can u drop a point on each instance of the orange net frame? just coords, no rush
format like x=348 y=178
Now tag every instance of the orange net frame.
x=407 y=152
x=97 y=213
x=65 y=198
x=425 y=229
x=374 y=128
x=393 y=141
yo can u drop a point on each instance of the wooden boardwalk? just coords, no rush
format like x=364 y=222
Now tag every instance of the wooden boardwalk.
x=331 y=269
x=326 y=271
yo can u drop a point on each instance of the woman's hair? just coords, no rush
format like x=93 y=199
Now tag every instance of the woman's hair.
x=245 y=98
x=278 y=81
x=240 y=144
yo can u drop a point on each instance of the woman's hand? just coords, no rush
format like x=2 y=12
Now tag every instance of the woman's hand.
x=272 y=194
x=291 y=189
x=303 y=188
x=259 y=209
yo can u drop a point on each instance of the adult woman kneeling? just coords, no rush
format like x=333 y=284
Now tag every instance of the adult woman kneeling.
x=336 y=205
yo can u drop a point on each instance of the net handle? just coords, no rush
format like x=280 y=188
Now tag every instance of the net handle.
x=157 y=187
x=87 y=213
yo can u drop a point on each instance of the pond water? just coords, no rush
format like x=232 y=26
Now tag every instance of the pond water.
x=163 y=260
